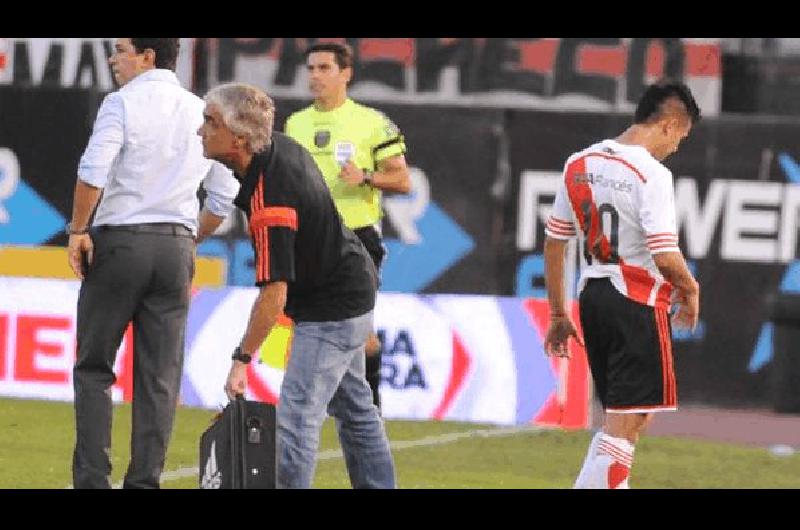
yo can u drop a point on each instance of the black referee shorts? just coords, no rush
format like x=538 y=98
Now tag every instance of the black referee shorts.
x=372 y=241
x=629 y=346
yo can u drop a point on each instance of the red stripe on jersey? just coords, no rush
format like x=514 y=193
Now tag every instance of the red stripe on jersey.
x=664 y=295
x=559 y=232
x=557 y=221
x=274 y=216
x=256 y=240
x=661 y=234
x=257 y=247
x=663 y=245
x=638 y=282
x=259 y=234
x=621 y=161
x=582 y=200
x=660 y=244
x=265 y=259
x=661 y=239
x=560 y=226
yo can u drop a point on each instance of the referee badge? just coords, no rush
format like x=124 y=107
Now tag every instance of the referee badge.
x=321 y=138
x=344 y=151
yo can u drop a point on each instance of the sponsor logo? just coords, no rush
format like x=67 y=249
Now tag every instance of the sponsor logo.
x=400 y=367
x=604 y=182
x=212 y=476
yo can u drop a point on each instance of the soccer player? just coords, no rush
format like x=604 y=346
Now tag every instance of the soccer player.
x=617 y=197
x=360 y=153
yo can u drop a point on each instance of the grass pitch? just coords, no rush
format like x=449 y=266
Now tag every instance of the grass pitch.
x=37 y=438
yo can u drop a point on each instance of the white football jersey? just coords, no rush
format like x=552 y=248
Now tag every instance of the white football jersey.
x=619 y=201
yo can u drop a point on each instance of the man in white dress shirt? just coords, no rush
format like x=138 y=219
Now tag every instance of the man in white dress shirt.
x=136 y=258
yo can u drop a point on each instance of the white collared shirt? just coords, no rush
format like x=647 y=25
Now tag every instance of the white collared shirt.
x=146 y=155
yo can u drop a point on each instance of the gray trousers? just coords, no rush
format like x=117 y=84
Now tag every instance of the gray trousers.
x=141 y=274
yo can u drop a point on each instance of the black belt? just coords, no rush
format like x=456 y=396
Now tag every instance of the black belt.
x=167 y=229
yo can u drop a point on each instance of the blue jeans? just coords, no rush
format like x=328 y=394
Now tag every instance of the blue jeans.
x=325 y=373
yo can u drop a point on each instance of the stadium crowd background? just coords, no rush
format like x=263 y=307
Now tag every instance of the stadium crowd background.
x=488 y=124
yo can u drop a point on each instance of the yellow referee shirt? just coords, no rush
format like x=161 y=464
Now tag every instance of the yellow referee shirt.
x=351 y=131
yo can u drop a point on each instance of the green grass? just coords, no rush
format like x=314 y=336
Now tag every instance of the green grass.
x=37 y=438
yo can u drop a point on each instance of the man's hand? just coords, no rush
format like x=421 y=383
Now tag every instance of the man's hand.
x=688 y=309
x=77 y=246
x=351 y=174
x=685 y=288
x=237 y=380
x=558 y=333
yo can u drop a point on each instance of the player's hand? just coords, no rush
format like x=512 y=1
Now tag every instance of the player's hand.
x=558 y=333
x=79 y=244
x=237 y=380
x=688 y=310
x=351 y=174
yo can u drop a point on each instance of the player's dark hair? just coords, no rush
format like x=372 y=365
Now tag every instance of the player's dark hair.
x=166 y=51
x=651 y=105
x=343 y=53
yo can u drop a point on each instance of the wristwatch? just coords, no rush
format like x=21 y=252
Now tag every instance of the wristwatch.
x=72 y=232
x=240 y=356
x=367 y=178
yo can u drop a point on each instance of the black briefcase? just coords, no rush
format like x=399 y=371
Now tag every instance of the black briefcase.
x=238 y=450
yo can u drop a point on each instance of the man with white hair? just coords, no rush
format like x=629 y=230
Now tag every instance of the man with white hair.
x=313 y=268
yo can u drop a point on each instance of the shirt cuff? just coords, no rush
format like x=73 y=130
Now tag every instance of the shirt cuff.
x=663 y=242
x=218 y=207
x=97 y=177
x=559 y=229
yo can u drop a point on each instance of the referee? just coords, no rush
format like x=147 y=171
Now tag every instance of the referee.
x=359 y=151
